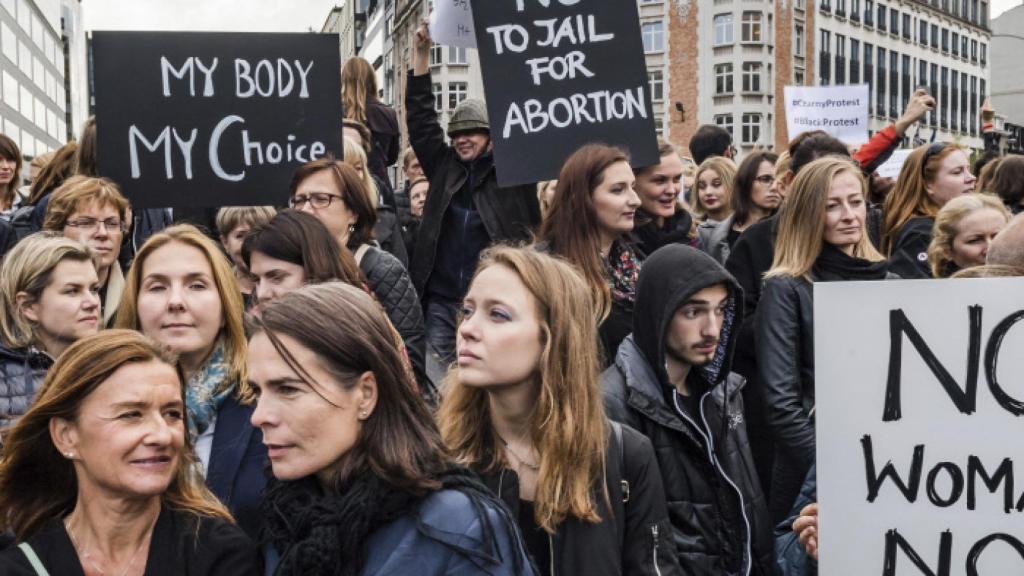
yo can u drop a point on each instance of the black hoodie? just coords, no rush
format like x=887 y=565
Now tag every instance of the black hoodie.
x=719 y=515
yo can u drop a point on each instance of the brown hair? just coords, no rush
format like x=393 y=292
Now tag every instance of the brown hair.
x=1008 y=180
x=743 y=189
x=61 y=167
x=570 y=227
x=87 y=150
x=10 y=151
x=231 y=217
x=349 y=333
x=910 y=198
x=947 y=226
x=37 y=483
x=301 y=239
x=364 y=132
x=568 y=424
x=987 y=174
x=408 y=157
x=230 y=295
x=358 y=86
x=78 y=192
x=353 y=193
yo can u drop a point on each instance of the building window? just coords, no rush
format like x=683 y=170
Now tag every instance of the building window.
x=798 y=77
x=869 y=12
x=825 y=58
x=984 y=53
x=457 y=92
x=723 y=29
x=656 y=80
x=954 y=106
x=894 y=21
x=725 y=121
x=436 y=55
x=945 y=40
x=963 y=46
x=840 y=72
x=659 y=125
x=880 y=83
x=751 y=27
x=922 y=32
x=894 y=86
x=438 y=97
x=934 y=36
x=456 y=55
x=751 y=128
x=974 y=50
x=854 y=61
x=907 y=28
x=881 y=17
x=956 y=44
x=654 y=36
x=752 y=77
x=798 y=40
x=869 y=73
x=855 y=10
x=723 y=79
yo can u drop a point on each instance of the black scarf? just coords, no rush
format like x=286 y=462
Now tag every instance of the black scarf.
x=835 y=265
x=675 y=231
x=320 y=534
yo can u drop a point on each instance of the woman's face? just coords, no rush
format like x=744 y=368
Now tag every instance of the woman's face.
x=952 y=179
x=615 y=201
x=499 y=339
x=549 y=191
x=764 y=193
x=335 y=216
x=974 y=236
x=306 y=430
x=69 y=307
x=233 y=244
x=659 y=186
x=418 y=198
x=358 y=166
x=129 y=435
x=178 y=302
x=275 y=278
x=713 y=192
x=845 y=212
x=7 y=169
x=99 y=228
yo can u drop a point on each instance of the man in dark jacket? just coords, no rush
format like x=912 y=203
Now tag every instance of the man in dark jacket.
x=466 y=211
x=671 y=381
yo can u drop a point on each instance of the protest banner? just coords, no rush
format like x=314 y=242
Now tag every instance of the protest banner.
x=561 y=74
x=451 y=23
x=891 y=167
x=842 y=111
x=213 y=119
x=918 y=404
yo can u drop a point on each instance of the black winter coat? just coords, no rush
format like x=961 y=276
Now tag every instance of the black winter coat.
x=508 y=214
x=716 y=506
x=21 y=373
x=384 y=147
x=909 y=258
x=633 y=537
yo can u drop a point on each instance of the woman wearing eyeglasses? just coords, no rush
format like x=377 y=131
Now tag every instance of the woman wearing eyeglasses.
x=333 y=192
x=931 y=176
x=93 y=212
x=754 y=198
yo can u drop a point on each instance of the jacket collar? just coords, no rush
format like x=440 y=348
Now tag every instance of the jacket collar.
x=115 y=286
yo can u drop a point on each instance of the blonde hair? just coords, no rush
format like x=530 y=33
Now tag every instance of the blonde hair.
x=545 y=205
x=230 y=294
x=358 y=85
x=76 y=193
x=947 y=226
x=910 y=198
x=37 y=483
x=28 y=268
x=802 y=218
x=231 y=217
x=354 y=153
x=726 y=171
x=568 y=423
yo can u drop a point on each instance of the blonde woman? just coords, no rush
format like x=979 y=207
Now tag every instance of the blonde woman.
x=714 y=183
x=524 y=410
x=822 y=237
x=359 y=94
x=963 y=231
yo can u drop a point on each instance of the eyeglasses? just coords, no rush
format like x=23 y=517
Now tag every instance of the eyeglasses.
x=319 y=200
x=932 y=150
x=765 y=179
x=91 y=225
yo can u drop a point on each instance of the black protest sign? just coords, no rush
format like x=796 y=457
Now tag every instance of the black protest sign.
x=213 y=119
x=559 y=74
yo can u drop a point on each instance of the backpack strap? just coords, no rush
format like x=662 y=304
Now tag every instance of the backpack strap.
x=617 y=431
x=33 y=559
x=360 y=252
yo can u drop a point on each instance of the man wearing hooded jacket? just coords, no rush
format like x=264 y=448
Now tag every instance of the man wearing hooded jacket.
x=671 y=381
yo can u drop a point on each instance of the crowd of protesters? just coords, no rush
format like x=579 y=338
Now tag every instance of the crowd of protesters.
x=608 y=373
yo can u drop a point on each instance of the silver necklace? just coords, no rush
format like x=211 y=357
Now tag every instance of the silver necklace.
x=519 y=458
x=87 y=556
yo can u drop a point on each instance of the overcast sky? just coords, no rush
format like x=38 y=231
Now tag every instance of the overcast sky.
x=237 y=15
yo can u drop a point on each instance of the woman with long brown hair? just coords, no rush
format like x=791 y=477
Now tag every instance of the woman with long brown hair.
x=10 y=174
x=362 y=482
x=755 y=196
x=524 y=410
x=931 y=176
x=589 y=222
x=359 y=94
x=99 y=478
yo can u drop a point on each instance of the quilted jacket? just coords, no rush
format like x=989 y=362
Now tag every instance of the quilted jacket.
x=21 y=373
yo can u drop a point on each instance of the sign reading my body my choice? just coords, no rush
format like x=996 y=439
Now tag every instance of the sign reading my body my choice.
x=213 y=119
x=919 y=395
x=559 y=74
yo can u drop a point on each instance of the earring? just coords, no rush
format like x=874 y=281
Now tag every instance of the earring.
x=363 y=414
x=70 y=454
x=351 y=228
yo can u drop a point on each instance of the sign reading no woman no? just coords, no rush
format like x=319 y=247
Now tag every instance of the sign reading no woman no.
x=213 y=119
x=920 y=392
x=559 y=74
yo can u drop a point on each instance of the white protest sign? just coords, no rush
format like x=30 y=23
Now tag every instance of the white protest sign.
x=842 y=111
x=891 y=168
x=919 y=387
x=451 y=23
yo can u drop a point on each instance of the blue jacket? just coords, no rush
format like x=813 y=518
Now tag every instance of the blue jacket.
x=237 y=472
x=445 y=538
x=790 y=556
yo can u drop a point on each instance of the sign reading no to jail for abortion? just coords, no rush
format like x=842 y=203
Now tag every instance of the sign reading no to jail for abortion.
x=920 y=392
x=559 y=74
x=213 y=119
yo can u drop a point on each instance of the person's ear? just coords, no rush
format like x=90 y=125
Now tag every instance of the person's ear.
x=21 y=300
x=366 y=395
x=64 y=435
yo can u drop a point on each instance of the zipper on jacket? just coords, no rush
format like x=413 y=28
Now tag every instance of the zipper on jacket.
x=706 y=433
x=654 y=532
